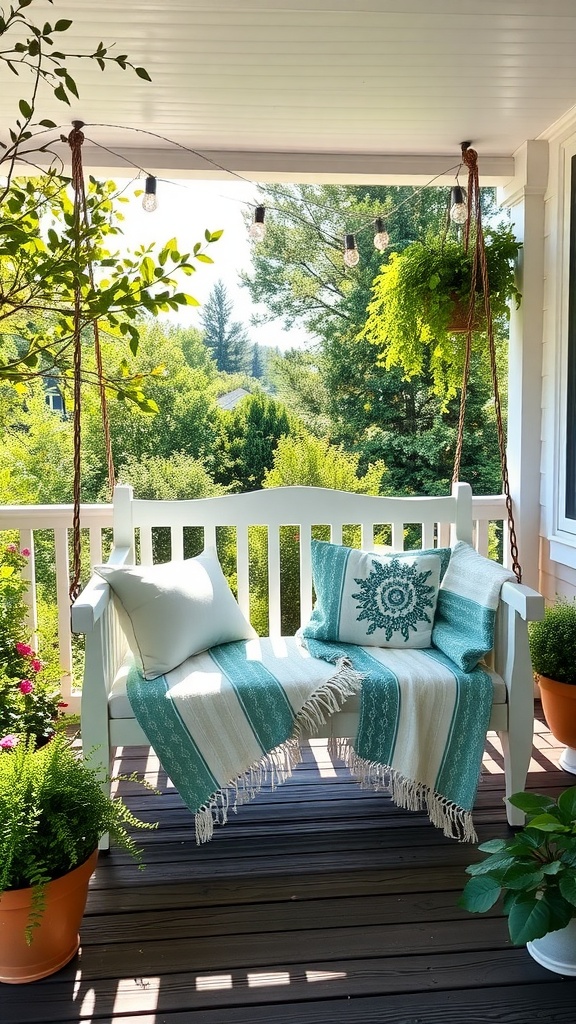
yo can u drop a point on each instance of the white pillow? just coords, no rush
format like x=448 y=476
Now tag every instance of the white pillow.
x=373 y=600
x=173 y=610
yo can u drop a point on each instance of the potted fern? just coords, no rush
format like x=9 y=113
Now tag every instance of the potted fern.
x=535 y=871
x=53 y=811
x=415 y=297
x=553 y=653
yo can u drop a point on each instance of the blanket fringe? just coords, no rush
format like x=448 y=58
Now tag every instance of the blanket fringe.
x=455 y=822
x=328 y=699
x=277 y=766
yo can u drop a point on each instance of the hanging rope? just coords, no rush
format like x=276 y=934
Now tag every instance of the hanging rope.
x=81 y=220
x=480 y=273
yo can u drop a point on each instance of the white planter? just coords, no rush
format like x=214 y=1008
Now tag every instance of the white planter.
x=556 y=950
x=567 y=760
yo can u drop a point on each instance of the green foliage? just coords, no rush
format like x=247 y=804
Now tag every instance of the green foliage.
x=313 y=462
x=46 y=256
x=249 y=434
x=53 y=811
x=29 y=699
x=535 y=869
x=339 y=388
x=553 y=642
x=415 y=294
x=225 y=339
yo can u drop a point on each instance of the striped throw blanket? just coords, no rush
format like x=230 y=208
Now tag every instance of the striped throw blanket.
x=227 y=720
x=422 y=729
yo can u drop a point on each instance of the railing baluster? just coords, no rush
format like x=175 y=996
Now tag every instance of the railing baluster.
x=63 y=600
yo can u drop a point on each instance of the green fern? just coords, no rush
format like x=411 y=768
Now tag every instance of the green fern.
x=53 y=811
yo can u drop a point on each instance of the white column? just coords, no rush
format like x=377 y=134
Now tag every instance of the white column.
x=524 y=195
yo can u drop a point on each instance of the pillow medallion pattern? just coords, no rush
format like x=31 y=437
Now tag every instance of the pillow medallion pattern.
x=395 y=597
x=371 y=599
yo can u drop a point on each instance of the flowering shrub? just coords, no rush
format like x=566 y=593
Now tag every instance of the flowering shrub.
x=29 y=704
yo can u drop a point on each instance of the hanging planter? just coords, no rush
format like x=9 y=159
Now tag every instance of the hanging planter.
x=419 y=292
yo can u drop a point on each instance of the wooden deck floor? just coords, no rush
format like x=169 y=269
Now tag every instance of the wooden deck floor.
x=318 y=903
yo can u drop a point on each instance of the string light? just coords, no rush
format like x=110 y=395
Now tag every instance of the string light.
x=149 y=200
x=458 y=205
x=381 y=236
x=351 y=254
x=257 y=228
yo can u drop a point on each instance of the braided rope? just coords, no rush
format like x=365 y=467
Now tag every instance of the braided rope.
x=479 y=266
x=75 y=140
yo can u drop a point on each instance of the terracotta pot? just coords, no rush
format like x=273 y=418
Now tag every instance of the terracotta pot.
x=556 y=950
x=55 y=941
x=458 y=323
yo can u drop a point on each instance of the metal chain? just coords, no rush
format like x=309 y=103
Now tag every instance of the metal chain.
x=470 y=158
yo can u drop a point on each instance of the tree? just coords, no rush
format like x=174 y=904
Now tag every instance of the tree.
x=257 y=370
x=55 y=254
x=249 y=435
x=225 y=339
x=338 y=387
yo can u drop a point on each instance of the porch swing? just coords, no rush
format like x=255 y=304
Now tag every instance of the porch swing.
x=172 y=661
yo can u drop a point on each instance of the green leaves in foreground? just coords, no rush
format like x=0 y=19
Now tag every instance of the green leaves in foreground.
x=535 y=870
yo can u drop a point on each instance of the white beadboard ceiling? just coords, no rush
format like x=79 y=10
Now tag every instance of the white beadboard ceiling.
x=296 y=87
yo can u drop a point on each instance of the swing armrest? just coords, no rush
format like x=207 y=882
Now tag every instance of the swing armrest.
x=89 y=607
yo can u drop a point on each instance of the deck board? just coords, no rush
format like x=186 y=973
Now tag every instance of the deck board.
x=320 y=902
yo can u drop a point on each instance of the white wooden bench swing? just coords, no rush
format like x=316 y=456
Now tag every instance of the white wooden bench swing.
x=108 y=719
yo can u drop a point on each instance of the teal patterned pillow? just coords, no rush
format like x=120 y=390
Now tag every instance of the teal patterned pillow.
x=373 y=600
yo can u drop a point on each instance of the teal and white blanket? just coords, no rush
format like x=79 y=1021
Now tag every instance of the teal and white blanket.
x=230 y=718
x=422 y=729
x=227 y=720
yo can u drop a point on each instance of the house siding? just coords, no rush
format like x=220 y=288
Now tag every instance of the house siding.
x=557 y=577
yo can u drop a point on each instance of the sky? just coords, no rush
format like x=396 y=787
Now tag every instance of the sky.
x=185 y=210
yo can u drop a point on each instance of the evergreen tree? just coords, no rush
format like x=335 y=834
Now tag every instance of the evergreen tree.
x=225 y=338
x=257 y=362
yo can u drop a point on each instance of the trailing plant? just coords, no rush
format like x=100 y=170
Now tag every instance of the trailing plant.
x=553 y=642
x=535 y=870
x=53 y=811
x=415 y=294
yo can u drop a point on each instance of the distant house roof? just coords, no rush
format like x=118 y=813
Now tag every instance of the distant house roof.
x=231 y=398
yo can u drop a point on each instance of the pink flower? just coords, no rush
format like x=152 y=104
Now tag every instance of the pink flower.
x=25 y=552
x=25 y=686
x=11 y=549
x=24 y=649
x=36 y=665
x=8 y=742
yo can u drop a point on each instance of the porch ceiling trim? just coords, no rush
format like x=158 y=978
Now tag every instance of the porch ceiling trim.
x=326 y=168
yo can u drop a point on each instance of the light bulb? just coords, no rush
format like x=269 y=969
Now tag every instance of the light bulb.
x=351 y=254
x=257 y=229
x=381 y=237
x=149 y=200
x=458 y=206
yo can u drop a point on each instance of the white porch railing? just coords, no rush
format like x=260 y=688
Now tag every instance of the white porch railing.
x=28 y=519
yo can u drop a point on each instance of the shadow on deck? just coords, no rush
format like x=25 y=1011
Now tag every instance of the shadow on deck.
x=318 y=903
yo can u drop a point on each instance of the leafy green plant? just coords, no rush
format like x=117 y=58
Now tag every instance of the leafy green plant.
x=53 y=811
x=553 y=642
x=535 y=869
x=415 y=294
x=46 y=256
